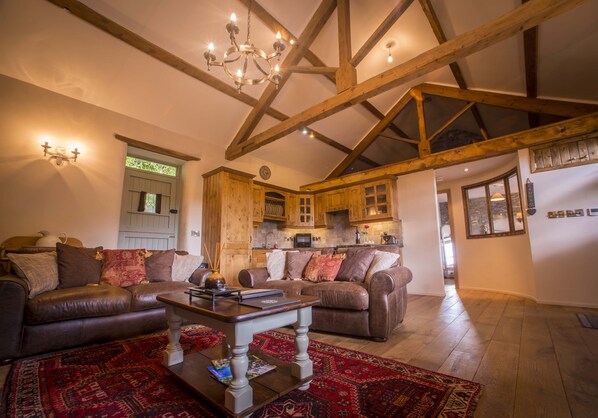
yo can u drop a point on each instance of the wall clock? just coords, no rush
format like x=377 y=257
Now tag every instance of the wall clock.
x=265 y=172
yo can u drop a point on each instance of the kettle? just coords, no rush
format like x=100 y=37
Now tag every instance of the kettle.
x=389 y=239
x=50 y=240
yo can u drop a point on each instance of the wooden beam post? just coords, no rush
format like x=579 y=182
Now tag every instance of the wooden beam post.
x=346 y=75
x=521 y=18
x=530 y=52
x=424 y=145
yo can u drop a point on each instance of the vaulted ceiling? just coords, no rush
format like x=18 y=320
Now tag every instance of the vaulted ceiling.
x=158 y=74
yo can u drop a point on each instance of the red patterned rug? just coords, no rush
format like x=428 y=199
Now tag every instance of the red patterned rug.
x=126 y=379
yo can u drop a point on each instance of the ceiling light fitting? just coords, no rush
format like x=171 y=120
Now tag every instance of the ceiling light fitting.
x=246 y=64
x=60 y=155
x=497 y=197
x=388 y=46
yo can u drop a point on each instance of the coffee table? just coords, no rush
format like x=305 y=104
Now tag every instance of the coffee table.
x=239 y=323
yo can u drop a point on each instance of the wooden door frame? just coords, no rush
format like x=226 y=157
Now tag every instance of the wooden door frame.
x=452 y=225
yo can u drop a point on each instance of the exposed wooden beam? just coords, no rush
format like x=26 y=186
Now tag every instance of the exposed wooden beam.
x=112 y=28
x=370 y=137
x=346 y=75
x=398 y=138
x=309 y=70
x=295 y=55
x=380 y=31
x=580 y=127
x=423 y=147
x=551 y=107
x=276 y=26
x=521 y=18
x=454 y=66
x=448 y=123
x=154 y=148
x=530 y=52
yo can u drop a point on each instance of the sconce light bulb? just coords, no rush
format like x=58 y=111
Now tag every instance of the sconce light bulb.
x=277 y=68
x=211 y=46
x=233 y=18
x=239 y=73
x=278 y=35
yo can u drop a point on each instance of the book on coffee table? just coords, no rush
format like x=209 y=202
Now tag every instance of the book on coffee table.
x=220 y=370
x=268 y=302
x=259 y=293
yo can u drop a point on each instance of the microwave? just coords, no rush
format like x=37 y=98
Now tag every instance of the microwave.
x=302 y=240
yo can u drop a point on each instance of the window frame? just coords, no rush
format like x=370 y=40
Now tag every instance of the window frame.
x=486 y=184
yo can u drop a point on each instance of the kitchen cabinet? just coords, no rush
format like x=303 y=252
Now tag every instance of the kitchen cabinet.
x=227 y=220
x=275 y=208
x=320 y=215
x=258 y=203
x=378 y=200
x=355 y=198
x=300 y=210
x=336 y=200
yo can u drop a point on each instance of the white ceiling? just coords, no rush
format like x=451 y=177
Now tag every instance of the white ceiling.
x=50 y=48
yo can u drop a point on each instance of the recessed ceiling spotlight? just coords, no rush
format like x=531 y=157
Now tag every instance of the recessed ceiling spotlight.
x=311 y=135
x=304 y=131
x=466 y=170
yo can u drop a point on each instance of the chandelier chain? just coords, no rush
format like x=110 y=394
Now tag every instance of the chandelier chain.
x=249 y=22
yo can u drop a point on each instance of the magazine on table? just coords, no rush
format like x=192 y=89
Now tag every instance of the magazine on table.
x=268 y=302
x=220 y=369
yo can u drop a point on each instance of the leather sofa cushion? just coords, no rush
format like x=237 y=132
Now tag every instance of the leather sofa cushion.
x=143 y=296
x=289 y=287
x=340 y=295
x=77 y=302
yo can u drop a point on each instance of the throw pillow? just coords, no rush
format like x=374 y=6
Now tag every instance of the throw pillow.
x=77 y=266
x=158 y=266
x=296 y=263
x=382 y=261
x=184 y=266
x=275 y=264
x=356 y=265
x=323 y=268
x=39 y=270
x=123 y=267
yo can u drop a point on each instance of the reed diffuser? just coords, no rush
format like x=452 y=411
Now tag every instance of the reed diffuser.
x=215 y=280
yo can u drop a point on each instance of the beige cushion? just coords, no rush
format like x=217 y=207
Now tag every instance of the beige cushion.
x=382 y=261
x=184 y=266
x=275 y=264
x=40 y=270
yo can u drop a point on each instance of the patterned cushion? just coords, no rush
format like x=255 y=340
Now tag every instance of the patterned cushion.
x=158 y=266
x=323 y=268
x=275 y=264
x=382 y=261
x=78 y=266
x=184 y=266
x=123 y=267
x=40 y=270
x=356 y=265
x=296 y=263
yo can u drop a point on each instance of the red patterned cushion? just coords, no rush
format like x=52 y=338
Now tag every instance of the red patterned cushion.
x=323 y=268
x=123 y=267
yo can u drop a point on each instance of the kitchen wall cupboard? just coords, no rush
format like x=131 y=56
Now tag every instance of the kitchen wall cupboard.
x=336 y=200
x=320 y=215
x=259 y=203
x=378 y=200
x=227 y=220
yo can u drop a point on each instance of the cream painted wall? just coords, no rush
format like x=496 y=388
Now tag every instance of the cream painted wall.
x=565 y=250
x=416 y=195
x=501 y=264
x=83 y=199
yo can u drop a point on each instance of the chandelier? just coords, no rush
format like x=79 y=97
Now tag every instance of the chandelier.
x=246 y=64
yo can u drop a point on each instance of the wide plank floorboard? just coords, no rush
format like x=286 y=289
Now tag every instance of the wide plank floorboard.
x=533 y=360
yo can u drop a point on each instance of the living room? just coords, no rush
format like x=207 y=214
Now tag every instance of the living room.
x=55 y=87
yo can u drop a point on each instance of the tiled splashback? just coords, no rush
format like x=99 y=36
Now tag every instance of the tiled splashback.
x=341 y=233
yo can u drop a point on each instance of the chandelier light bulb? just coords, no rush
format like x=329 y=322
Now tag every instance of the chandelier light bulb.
x=277 y=68
x=239 y=73
x=278 y=35
x=233 y=18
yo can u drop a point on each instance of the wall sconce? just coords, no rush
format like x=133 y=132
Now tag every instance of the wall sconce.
x=60 y=155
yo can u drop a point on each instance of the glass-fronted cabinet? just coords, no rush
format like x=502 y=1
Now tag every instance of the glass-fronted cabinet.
x=305 y=209
x=378 y=200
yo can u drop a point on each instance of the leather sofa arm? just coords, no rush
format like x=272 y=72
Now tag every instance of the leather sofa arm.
x=199 y=276
x=388 y=300
x=253 y=277
x=14 y=294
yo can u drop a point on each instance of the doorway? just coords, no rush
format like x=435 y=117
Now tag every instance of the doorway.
x=149 y=207
x=447 y=247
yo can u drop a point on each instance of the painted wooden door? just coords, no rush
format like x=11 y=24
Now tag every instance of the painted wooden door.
x=148 y=217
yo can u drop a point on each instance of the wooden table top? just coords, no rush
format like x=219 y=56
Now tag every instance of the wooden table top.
x=230 y=310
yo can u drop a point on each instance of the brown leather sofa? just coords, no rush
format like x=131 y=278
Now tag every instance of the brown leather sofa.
x=352 y=308
x=64 y=318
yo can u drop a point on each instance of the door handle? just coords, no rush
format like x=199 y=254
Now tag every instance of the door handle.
x=174 y=211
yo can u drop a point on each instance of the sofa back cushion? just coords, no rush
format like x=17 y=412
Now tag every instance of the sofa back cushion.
x=123 y=267
x=356 y=265
x=77 y=266
x=296 y=263
x=323 y=268
x=158 y=266
x=276 y=264
x=382 y=260
x=40 y=270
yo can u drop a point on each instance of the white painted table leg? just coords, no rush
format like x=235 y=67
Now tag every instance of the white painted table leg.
x=239 y=394
x=302 y=367
x=173 y=354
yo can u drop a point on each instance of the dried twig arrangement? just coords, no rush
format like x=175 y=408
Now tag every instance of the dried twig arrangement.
x=214 y=266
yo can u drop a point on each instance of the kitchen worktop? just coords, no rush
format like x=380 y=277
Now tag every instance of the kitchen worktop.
x=336 y=246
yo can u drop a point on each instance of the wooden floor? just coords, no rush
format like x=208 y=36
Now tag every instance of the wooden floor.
x=533 y=360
